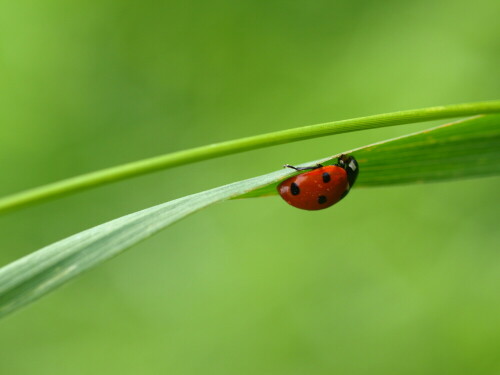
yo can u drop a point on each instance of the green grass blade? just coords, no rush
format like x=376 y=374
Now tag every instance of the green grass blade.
x=470 y=148
x=466 y=149
x=34 y=275
x=175 y=159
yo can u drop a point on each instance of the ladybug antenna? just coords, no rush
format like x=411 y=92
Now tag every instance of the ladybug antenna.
x=303 y=168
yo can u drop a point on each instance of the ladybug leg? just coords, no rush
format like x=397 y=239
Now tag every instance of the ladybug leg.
x=303 y=168
x=344 y=193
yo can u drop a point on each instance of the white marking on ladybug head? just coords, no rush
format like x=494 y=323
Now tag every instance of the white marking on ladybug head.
x=352 y=165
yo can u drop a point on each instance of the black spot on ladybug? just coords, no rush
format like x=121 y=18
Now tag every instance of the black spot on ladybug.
x=326 y=177
x=321 y=199
x=294 y=189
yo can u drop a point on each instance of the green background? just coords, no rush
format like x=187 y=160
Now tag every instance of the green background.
x=400 y=280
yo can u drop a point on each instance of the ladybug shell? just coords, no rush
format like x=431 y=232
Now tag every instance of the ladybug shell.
x=316 y=189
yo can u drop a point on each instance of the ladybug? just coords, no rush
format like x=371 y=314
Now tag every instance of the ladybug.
x=322 y=186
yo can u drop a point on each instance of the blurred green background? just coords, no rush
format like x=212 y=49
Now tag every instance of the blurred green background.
x=401 y=280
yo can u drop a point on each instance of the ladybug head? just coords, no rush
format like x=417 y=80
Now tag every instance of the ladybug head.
x=351 y=167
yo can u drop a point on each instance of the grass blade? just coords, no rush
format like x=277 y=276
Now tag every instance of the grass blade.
x=34 y=275
x=470 y=148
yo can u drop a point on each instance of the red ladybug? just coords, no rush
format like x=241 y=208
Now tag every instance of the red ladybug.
x=321 y=187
